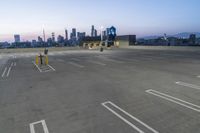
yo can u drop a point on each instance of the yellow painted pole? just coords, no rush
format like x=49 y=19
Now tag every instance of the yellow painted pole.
x=46 y=60
x=37 y=60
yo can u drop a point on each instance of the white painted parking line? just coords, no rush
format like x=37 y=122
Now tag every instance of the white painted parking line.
x=75 y=64
x=44 y=125
x=52 y=68
x=129 y=115
x=188 y=85
x=98 y=63
x=8 y=71
x=37 y=66
x=174 y=100
x=4 y=72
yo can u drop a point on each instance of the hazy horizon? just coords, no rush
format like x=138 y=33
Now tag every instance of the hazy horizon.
x=140 y=17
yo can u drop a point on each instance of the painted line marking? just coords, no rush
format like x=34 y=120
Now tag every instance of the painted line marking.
x=8 y=71
x=4 y=72
x=174 y=100
x=98 y=63
x=75 y=64
x=44 y=125
x=125 y=120
x=188 y=85
x=37 y=66
x=51 y=67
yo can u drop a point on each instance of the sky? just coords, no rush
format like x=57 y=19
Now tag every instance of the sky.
x=141 y=17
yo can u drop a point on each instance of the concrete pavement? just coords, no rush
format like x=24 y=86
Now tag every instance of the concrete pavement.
x=119 y=91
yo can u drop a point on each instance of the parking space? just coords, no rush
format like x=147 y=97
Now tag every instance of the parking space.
x=122 y=90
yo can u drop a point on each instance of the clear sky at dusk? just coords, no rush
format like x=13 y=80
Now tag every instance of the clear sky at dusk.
x=140 y=17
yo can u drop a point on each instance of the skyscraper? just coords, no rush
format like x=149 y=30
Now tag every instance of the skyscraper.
x=73 y=34
x=95 y=33
x=17 y=38
x=53 y=37
x=60 y=39
x=81 y=35
x=92 y=31
x=107 y=31
x=40 y=39
x=66 y=35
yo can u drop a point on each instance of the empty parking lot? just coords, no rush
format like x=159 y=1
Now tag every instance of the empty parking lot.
x=143 y=90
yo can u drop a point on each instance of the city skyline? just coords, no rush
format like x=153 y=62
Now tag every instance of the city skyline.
x=140 y=17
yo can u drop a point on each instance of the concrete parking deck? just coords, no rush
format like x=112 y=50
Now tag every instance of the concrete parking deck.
x=133 y=90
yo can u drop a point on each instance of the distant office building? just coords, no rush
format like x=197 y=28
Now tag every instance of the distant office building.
x=107 y=31
x=81 y=35
x=66 y=35
x=95 y=33
x=192 y=39
x=60 y=39
x=73 y=34
x=126 y=40
x=104 y=33
x=40 y=40
x=34 y=43
x=4 y=45
x=92 y=31
x=17 y=38
x=53 y=37
x=49 y=42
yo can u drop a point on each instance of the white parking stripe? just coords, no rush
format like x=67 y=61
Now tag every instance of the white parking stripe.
x=8 y=71
x=32 y=128
x=52 y=68
x=125 y=120
x=188 y=85
x=174 y=100
x=4 y=72
x=37 y=66
x=75 y=64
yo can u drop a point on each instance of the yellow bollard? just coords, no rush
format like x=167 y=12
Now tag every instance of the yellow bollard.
x=37 y=60
x=46 y=60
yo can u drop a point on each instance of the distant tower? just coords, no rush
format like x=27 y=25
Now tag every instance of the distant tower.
x=53 y=37
x=66 y=35
x=74 y=33
x=95 y=33
x=92 y=31
x=107 y=31
x=17 y=38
